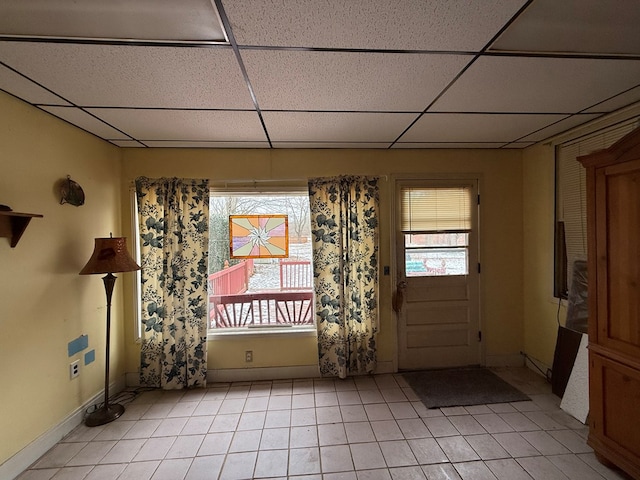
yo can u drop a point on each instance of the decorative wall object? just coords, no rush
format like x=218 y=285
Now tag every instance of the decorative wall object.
x=259 y=236
x=71 y=192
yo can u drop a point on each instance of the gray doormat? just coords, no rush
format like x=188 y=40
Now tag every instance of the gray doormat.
x=461 y=386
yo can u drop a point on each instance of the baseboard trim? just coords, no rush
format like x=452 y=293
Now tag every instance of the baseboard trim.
x=23 y=459
x=385 y=367
x=132 y=379
x=514 y=360
x=226 y=375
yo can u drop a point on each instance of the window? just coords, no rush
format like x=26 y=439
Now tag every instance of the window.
x=436 y=222
x=269 y=292
x=571 y=209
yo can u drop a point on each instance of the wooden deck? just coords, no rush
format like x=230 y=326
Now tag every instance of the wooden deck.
x=232 y=306
x=261 y=309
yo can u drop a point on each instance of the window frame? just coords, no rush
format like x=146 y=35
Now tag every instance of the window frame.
x=464 y=216
x=570 y=217
x=260 y=189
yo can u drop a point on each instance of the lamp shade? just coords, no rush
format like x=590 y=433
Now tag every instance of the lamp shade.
x=110 y=255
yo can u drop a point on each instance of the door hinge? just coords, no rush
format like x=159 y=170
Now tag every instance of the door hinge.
x=479 y=335
x=478 y=199
x=479 y=268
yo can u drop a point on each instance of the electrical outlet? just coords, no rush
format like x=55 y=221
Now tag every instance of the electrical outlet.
x=248 y=356
x=74 y=369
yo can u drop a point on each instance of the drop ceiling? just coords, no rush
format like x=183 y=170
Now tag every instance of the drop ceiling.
x=322 y=74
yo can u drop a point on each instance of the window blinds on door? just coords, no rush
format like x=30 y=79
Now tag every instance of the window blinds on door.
x=436 y=209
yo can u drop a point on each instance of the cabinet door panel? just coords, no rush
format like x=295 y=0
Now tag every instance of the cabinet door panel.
x=617 y=393
x=619 y=255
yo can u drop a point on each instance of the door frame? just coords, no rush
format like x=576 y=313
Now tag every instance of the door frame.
x=394 y=221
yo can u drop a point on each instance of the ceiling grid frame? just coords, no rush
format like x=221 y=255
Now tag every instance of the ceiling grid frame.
x=391 y=78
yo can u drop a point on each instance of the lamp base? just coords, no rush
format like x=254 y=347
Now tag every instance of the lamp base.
x=104 y=415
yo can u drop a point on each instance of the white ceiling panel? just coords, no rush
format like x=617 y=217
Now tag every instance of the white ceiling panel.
x=25 y=89
x=630 y=96
x=558 y=127
x=119 y=75
x=170 y=144
x=517 y=84
x=335 y=127
x=85 y=121
x=458 y=128
x=152 y=20
x=442 y=25
x=583 y=26
x=330 y=145
x=184 y=124
x=349 y=81
x=447 y=145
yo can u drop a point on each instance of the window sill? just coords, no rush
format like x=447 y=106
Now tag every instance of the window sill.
x=214 y=335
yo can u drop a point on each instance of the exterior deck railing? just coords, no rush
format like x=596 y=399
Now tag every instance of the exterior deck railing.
x=295 y=274
x=232 y=279
x=261 y=309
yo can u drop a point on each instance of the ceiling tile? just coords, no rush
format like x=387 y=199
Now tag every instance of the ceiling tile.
x=578 y=26
x=447 y=145
x=133 y=76
x=348 y=81
x=171 y=144
x=83 y=120
x=630 y=96
x=25 y=89
x=335 y=127
x=553 y=85
x=559 y=127
x=194 y=20
x=146 y=125
x=375 y=24
x=392 y=60
x=330 y=145
x=475 y=128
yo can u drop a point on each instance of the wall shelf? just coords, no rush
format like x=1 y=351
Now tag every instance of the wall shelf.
x=13 y=224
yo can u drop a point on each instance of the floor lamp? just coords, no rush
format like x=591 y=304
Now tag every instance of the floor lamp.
x=109 y=256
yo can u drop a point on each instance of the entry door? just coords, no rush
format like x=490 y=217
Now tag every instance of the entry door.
x=437 y=284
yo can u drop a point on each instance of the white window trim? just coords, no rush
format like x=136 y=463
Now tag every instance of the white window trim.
x=135 y=250
x=303 y=331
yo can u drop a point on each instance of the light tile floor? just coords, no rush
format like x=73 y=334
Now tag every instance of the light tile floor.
x=365 y=428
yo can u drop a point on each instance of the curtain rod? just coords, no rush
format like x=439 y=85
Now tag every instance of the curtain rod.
x=279 y=180
x=253 y=181
x=268 y=180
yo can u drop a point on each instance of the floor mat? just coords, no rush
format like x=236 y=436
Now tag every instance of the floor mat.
x=461 y=386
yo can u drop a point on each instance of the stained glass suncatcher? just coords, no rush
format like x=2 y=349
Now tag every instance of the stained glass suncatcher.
x=259 y=236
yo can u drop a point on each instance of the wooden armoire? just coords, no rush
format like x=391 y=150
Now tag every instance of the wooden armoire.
x=613 y=226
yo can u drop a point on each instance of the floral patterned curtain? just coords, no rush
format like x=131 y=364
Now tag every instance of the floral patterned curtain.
x=173 y=216
x=344 y=224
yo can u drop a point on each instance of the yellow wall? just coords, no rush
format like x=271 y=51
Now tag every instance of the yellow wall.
x=540 y=307
x=44 y=303
x=500 y=173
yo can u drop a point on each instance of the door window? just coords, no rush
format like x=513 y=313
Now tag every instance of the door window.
x=436 y=222
x=432 y=254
